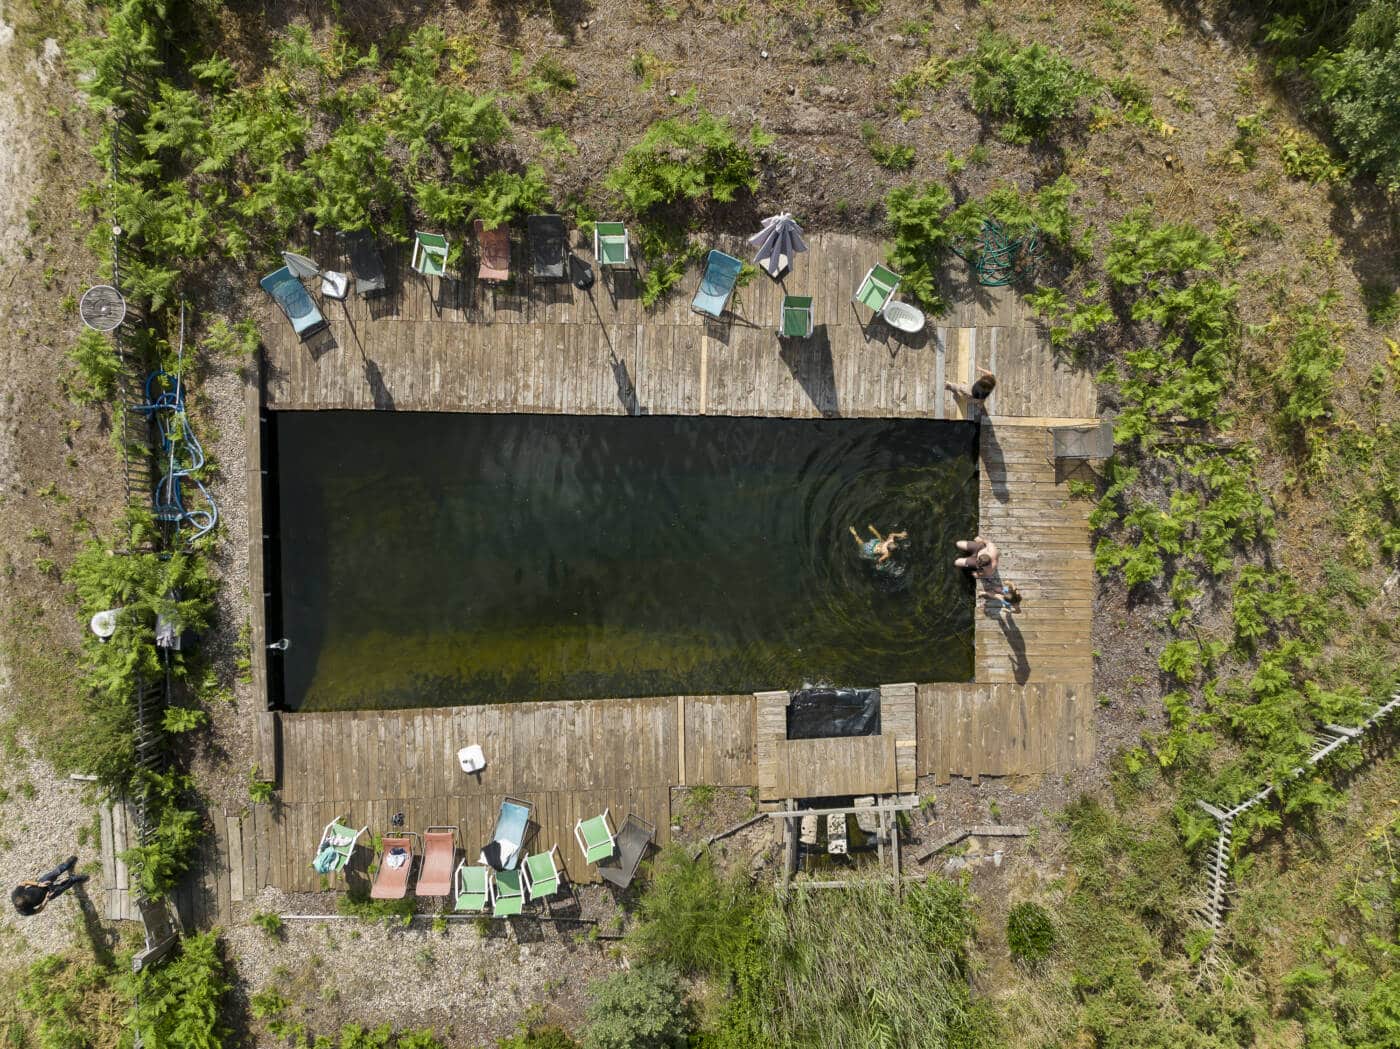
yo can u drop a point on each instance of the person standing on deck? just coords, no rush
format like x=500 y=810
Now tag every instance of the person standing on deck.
x=976 y=395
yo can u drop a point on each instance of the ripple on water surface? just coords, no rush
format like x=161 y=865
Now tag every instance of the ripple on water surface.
x=435 y=559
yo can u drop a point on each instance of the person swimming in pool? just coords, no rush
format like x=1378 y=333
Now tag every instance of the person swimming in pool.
x=880 y=547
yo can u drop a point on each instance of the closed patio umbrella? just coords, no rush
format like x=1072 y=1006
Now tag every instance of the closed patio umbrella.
x=777 y=242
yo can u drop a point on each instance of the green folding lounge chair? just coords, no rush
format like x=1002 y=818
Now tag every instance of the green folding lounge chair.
x=430 y=253
x=877 y=288
x=507 y=894
x=610 y=246
x=595 y=837
x=542 y=874
x=338 y=842
x=473 y=887
x=797 y=317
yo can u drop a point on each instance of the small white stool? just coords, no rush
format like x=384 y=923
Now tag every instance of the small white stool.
x=471 y=758
x=335 y=285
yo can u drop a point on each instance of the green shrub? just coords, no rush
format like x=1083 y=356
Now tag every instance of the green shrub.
x=269 y=922
x=260 y=791
x=687 y=160
x=888 y=155
x=1304 y=381
x=922 y=237
x=1356 y=84
x=542 y=1037
x=692 y=917
x=95 y=367
x=639 y=1008
x=1028 y=89
x=179 y=1002
x=1030 y=934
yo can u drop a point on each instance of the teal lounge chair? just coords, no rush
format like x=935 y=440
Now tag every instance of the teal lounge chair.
x=507 y=894
x=595 y=837
x=503 y=851
x=542 y=874
x=286 y=288
x=797 y=317
x=473 y=887
x=610 y=245
x=877 y=288
x=337 y=846
x=430 y=253
x=716 y=284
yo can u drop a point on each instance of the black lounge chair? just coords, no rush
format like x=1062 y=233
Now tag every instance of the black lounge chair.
x=549 y=247
x=365 y=263
x=632 y=843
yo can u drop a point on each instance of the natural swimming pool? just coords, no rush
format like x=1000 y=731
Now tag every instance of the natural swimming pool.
x=425 y=559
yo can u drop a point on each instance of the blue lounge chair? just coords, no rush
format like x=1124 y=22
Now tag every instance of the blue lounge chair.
x=286 y=287
x=717 y=284
x=504 y=850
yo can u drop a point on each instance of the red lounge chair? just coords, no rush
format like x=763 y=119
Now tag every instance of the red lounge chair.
x=391 y=883
x=439 y=852
x=495 y=252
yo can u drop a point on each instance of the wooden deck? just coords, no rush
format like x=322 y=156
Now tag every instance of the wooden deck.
x=552 y=348
x=468 y=346
x=814 y=768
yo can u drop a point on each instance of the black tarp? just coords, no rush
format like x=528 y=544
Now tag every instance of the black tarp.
x=821 y=713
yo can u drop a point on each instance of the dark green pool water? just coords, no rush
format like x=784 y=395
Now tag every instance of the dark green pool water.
x=430 y=560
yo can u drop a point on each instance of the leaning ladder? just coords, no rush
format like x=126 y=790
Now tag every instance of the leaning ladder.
x=1326 y=742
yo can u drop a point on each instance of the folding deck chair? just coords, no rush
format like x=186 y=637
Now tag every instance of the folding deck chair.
x=337 y=846
x=391 y=882
x=473 y=887
x=439 y=850
x=877 y=288
x=610 y=245
x=286 y=289
x=503 y=851
x=595 y=838
x=495 y=252
x=632 y=844
x=549 y=247
x=797 y=320
x=716 y=284
x=366 y=264
x=507 y=894
x=429 y=254
x=541 y=872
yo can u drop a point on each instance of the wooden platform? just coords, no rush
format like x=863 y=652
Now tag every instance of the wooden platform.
x=854 y=765
x=550 y=348
x=526 y=347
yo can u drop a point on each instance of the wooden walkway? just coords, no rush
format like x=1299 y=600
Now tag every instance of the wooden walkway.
x=551 y=348
x=467 y=346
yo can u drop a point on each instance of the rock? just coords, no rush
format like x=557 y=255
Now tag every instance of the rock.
x=996 y=858
x=829 y=91
x=557 y=40
x=792 y=89
x=758 y=861
x=973 y=846
x=808 y=119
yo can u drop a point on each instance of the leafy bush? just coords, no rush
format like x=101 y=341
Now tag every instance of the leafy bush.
x=687 y=160
x=639 y=1008
x=1355 y=87
x=922 y=238
x=95 y=368
x=269 y=922
x=159 y=864
x=545 y=1037
x=1028 y=89
x=1303 y=383
x=179 y=1002
x=1030 y=934
x=888 y=155
x=692 y=917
